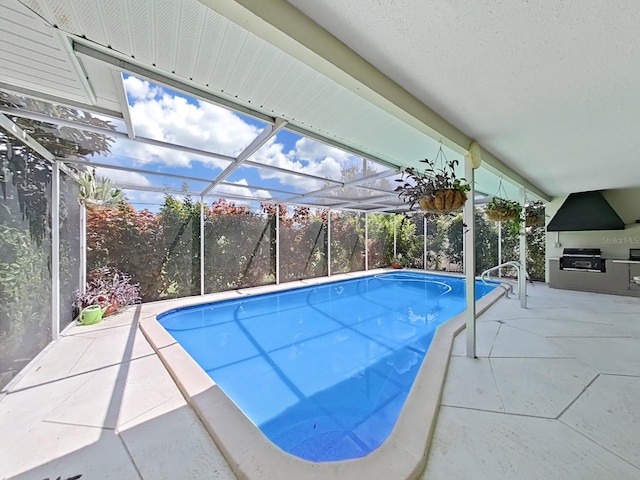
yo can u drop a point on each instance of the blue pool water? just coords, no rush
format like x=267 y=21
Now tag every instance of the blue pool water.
x=323 y=371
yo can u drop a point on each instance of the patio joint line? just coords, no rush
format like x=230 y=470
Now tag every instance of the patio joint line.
x=579 y=395
x=566 y=336
x=495 y=382
x=78 y=374
x=126 y=449
x=592 y=440
x=73 y=424
x=620 y=375
x=500 y=324
x=82 y=334
x=511 y=414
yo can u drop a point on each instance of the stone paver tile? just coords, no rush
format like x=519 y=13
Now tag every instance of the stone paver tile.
x=606 y=355
x=540 y=386
x=111 y=347
x=53 y=450
x=470 y=384
x=485 y=336
x=117 y=394
x=175 y=428
x=607 y=412
x=22 y=410
x=563 y=328
x=55 y=363
x=471 y=444
x=513 y=342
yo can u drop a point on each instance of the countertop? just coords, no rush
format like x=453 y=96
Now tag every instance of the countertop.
x=614 y=260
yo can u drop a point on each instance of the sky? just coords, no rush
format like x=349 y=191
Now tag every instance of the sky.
x=164 y=114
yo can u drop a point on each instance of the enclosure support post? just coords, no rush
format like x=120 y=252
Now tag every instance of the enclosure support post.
x=277 y=244
x=201 y=245
x=469 y=253
x=395 y=236
x=499 y=248
x=329 y=242
x=55 y=251
x=522 y=284
x=366 y=241
x=83 y=249
x=424 y=238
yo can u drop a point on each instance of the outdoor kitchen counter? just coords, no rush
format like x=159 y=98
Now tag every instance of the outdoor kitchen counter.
x=616 y=280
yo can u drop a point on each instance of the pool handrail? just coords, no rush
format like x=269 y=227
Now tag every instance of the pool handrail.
x=486 y=277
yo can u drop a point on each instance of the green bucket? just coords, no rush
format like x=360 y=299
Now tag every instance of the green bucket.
x=91 y=314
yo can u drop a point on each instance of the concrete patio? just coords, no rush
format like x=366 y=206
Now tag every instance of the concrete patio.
x=551 y=396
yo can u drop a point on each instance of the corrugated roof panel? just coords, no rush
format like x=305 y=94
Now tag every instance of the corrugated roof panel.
x=114 y=13
x=166 y=13
x=140 y=27
x=214 y=28
x=88 y=19
x=233 y=43
x=190 y=31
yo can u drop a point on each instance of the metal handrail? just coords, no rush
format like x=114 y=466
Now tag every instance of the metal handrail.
x=486 y=275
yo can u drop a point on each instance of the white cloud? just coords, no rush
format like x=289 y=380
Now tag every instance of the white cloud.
x=119 y=177
x=160 y=115
x=240 y=188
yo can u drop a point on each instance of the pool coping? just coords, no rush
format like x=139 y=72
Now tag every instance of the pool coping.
x=251 y=455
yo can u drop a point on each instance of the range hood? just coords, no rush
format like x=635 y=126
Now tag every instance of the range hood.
x=585 y=211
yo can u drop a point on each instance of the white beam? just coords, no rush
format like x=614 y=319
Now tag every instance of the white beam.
x=121 y=94
x=55 y=251
x=77 y=67
x=24 y=137
x=522 y=284
x=259 y=141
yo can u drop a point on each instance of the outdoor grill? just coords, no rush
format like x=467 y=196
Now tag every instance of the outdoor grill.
x=582 y=259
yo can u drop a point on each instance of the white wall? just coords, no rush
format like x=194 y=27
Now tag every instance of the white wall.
x=613 y=243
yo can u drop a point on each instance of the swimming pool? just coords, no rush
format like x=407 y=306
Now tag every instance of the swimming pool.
x=323 y=371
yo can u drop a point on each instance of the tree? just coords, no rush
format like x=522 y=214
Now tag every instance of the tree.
x=486 y=242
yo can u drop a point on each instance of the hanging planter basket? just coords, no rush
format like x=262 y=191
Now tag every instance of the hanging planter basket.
x=533 y=220
x=500 y=214
x=443 y=201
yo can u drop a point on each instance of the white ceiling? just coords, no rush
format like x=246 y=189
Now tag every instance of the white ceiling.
x=549 y=87
x=545 y=88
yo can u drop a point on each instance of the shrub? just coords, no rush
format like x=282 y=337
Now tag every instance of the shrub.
x=108 y=287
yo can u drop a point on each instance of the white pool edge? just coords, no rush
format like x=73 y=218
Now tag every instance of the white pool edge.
x=251 y=455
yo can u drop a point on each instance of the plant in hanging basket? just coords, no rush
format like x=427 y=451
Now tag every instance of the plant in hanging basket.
x=501 y=210
x=436 y=189
x=534 y=214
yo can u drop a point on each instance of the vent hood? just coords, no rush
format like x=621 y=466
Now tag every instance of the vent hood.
x=585 y=211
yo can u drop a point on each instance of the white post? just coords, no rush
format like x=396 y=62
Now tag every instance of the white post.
x=424 y=236
x=499 y=248
x=202 y=219
x=469 y=252
x=523 y=253
x=395 y=236
x=277 y=244
x=329 y=242
x=366 y=241
x=83 y=249
x=55 y=251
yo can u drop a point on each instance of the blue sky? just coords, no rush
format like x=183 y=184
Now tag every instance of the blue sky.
x=164 y=114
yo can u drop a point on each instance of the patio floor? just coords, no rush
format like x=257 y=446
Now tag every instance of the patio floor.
x=553 y=395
